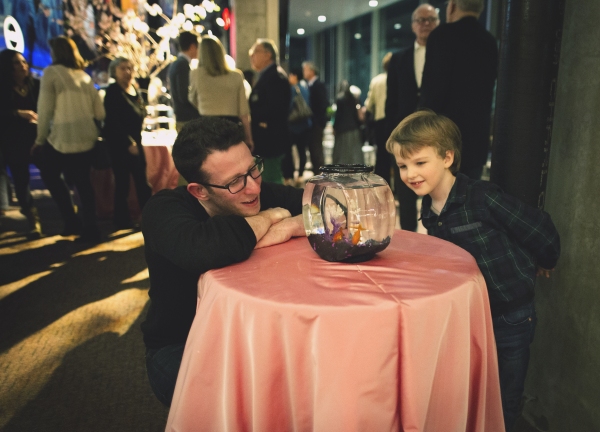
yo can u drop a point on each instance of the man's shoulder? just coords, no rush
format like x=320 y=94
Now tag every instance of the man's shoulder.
x=177 y=67
x=167 y=197
x=401 y=57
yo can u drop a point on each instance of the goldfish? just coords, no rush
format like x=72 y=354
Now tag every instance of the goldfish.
x=356 y=235
x=338 y=236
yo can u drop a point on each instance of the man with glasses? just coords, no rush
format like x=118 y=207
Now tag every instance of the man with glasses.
x=403 y=85
x=458 y=80
x=218 y=219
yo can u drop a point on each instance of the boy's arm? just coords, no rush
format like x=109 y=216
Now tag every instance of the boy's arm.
x=532 y=228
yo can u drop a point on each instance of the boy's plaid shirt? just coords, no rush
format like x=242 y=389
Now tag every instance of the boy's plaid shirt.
x=507 y=238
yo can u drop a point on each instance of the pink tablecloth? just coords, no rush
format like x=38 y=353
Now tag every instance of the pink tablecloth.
x=288 y=342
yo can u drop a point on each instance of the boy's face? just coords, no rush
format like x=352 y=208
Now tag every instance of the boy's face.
x=424 y=170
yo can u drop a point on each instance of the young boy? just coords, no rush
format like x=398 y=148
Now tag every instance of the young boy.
x=511 y=242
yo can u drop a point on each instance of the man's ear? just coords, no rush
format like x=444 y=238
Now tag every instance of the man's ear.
x=198 y=191
x=449 y=159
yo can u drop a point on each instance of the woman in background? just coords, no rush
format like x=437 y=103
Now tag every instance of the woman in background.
x=346 y=127
x=218 y=90
x=18 y=119
x=125 y=112
x=68 y=108
x=299 y=133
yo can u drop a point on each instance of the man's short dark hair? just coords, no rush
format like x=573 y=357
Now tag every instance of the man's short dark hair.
x=198 y=139
x=186 y=40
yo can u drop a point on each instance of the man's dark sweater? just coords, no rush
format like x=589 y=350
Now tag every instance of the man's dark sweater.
x=182 y=241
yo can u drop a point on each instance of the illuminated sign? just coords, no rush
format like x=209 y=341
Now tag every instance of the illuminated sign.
x=13 y=36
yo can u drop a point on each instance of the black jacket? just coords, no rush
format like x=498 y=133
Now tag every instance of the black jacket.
x=402 y=95
x=269 y=108
x=318 y=103
x=461 y=65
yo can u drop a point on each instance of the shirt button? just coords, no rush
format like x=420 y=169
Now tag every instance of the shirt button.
x=439 y=224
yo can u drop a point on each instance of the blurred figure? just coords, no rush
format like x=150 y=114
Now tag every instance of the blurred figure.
x=269 y=106
x=346 y=127
x=18 y=119
x=68 y=108
x=375 y=105
x=405 y=73
x=458 y=80
x=179 y=78
x=125 y=112
x=318 y=105
x=299 y=133
x=218 y=90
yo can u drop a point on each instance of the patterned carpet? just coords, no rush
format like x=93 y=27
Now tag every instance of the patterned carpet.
x=71 y=351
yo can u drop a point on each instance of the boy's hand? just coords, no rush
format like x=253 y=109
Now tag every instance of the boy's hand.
x=543 y=272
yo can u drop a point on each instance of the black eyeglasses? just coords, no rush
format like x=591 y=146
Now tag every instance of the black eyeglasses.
x=239 y=183
x=430 y=20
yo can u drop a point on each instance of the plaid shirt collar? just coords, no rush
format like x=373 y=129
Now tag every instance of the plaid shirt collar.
x=458 y=195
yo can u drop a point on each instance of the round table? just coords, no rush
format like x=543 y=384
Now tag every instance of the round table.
x=287 y=341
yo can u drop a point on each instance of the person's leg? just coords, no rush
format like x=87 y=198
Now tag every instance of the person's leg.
x=78 y=167
x=138 y=171
x=302 y=143
x=162 y=367
x=316 y=149
x=121 y=216
x=408 y=206
x=514 y=333
x=19 y=169
x=383 y=163
x=50 y=163
x=272 y=172
x=287 y=164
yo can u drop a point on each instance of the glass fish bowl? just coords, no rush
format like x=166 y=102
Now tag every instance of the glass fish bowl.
x=349 y=213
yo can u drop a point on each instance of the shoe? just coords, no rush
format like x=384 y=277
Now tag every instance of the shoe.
x=33 y=219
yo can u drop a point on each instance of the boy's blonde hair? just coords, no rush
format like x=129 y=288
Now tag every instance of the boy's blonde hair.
x=426 y=129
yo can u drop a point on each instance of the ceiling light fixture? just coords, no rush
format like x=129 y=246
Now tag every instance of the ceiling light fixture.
x=322 y=18
x=373 y=3
x=300 y=31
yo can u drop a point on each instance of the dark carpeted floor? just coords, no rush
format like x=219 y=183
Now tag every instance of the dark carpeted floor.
x=71 y=351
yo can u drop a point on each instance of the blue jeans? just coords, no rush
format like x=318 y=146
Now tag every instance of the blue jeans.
x=162 y=366
x=514 y=333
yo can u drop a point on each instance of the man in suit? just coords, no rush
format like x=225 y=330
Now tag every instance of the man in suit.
x=269 y=109
x=179 y=77
x=458 y=81
x=318 y=104
x=403 y=83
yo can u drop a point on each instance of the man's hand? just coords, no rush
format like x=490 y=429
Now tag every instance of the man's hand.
x=275 y=214
x=261 y=223
x=282 y=232
x=543 y=272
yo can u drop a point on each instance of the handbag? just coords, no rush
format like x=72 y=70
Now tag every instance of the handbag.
x=300 y=109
